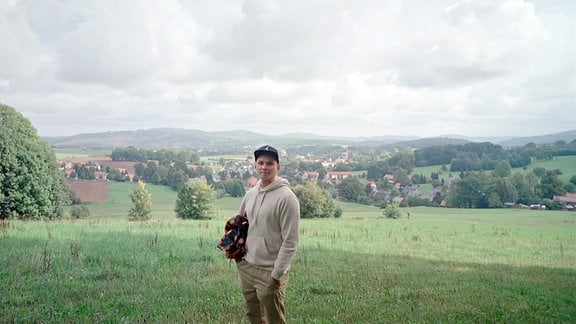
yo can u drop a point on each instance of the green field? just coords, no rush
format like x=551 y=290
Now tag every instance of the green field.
x=437 y=265
x=78 y=153
x=567 y=164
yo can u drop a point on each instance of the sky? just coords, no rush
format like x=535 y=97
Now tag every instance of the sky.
x=352 y=68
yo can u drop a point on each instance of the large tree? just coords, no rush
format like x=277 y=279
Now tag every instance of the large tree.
x=316 y=202
x=141 y=203
x=195 y=201
x=551 y=185
x=31 y=184
x=352 y=189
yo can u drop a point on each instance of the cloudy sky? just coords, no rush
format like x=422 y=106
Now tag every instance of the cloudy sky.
x=329 y=67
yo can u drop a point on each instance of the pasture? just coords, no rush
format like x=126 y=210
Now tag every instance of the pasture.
x=437 y=265
x=566 y=164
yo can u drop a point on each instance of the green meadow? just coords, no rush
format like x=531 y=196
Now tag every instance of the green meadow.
x=62 y=153
x=566 y=164
x=432 y=265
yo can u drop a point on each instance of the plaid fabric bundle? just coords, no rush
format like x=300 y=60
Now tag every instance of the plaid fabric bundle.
x=233 y=242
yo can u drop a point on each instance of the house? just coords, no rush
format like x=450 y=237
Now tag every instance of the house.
x=101 y=175
x=338 y=175
x=198 y=179
x=389 y=178
x=381 y=195
x=450 y=181
x=311 y=176
x=411 y=192
x=568 y=199
x=398 y=200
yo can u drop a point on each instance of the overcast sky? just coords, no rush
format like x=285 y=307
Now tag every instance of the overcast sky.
x=328 y=67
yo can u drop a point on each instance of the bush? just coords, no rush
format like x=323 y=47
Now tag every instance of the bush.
x=392 y=210
x=79 y=211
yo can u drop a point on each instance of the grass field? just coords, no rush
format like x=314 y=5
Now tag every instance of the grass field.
x=438 y=265
x=567 y=164
x=76 y=153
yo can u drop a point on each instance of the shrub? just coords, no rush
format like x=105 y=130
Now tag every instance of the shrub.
x=392 y=210
x=80 y=211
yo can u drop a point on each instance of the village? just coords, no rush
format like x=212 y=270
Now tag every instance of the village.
x=89 y=178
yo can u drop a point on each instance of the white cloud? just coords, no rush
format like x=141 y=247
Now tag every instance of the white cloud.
x=349 y=68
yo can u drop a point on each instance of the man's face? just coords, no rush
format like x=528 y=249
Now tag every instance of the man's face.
x=267 y=168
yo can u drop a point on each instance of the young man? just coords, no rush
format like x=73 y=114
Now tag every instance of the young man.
x=273 y=213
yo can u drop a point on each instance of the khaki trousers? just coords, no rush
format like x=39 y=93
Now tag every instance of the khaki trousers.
x=263 y=299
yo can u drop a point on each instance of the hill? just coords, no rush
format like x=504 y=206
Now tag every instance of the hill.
x=237 y=140
x=566 y=136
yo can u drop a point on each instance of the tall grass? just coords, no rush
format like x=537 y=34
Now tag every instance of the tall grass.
x=439 y=265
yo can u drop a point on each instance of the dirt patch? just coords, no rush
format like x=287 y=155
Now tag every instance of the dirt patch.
x=90 y=190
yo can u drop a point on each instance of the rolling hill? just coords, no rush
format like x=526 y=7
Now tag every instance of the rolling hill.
x=236 y=140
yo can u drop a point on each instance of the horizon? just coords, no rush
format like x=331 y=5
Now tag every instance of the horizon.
x=313 y=134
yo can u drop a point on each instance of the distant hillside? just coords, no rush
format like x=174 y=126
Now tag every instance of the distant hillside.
x=427 y=142
x=236 y=141
x=223 y=141
x=159 y=138
x=567 y=136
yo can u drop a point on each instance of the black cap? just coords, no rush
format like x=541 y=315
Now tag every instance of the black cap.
x=266 y=150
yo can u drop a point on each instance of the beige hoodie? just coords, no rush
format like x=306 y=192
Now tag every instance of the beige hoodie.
x=273 y=216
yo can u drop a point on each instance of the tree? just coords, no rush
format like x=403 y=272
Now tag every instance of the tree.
x=31 y=184
x=236 y=189
x=503 y=189
x=195 y=201
x=142 y=203
x=551 y=185
x=115 y=175
x=401 y=175
x=539 y=172
x=376 y=170
x=351 y=189
x=392 y=210
x=177 y=179
x=502 y=170
x=469 y=192
x=315 y=202
x=494 y=201
x=139 y=169
x=526 y=187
